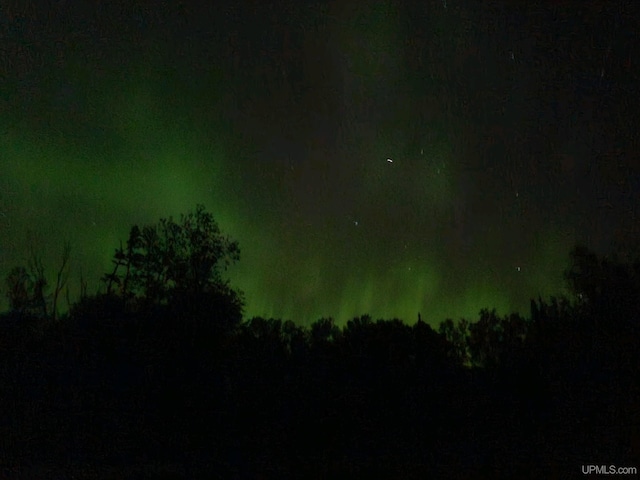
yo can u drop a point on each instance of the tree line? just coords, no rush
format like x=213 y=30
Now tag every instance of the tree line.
x=161 y=368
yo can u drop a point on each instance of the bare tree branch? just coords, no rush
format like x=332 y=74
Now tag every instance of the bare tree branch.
x=61 y=278
x=37 y=272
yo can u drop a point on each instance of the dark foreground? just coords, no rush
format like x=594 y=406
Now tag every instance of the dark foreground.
x=124 y=395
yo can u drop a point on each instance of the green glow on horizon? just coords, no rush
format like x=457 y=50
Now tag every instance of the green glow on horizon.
x=136 y=149
x=166 y=182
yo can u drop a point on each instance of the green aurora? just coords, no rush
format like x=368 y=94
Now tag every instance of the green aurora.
x=326 y=225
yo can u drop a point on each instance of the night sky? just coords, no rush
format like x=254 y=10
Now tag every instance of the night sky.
x=370 y=157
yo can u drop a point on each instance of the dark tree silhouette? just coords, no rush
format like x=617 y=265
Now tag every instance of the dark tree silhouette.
x=39 y=282
x=457 y=335
x=295 y=338
x=323 y=332
x=19 y=289
x=31 y=307
x=178 y=262
x=27 y=286
x=585 y=274
x=606 y=291
x=62 y=277
x=381 y=399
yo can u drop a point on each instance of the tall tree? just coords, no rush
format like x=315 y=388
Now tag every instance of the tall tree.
x=39 y=281
x=61 y=278
x=19 y=289
x=169 y=257
x=180 y=263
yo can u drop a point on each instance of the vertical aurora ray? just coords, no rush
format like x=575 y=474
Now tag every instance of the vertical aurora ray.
x=283 y=131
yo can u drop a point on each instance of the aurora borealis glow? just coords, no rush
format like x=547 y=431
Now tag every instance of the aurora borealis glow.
x=501 y=124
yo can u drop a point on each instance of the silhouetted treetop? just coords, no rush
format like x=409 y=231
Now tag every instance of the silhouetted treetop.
x=607 y=291
x=19 y=289
x=173 y=258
